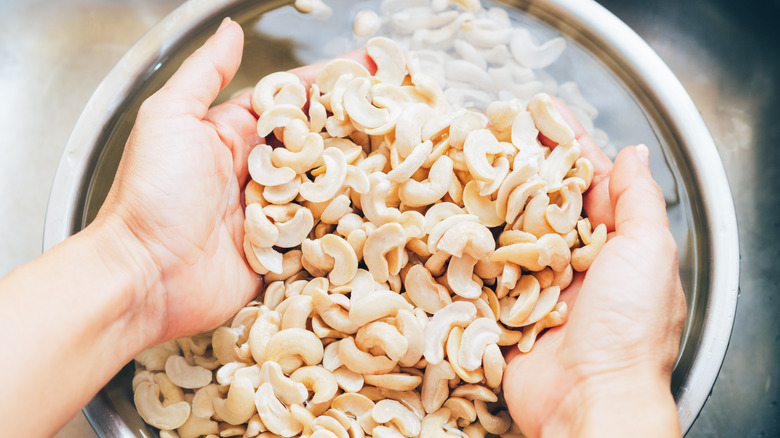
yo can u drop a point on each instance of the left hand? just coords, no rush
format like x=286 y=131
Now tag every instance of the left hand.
x=177 y=195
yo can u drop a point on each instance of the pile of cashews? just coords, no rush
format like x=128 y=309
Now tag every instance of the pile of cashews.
x=403 y=240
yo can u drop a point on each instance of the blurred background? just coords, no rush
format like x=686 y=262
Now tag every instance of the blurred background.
x=53 y=55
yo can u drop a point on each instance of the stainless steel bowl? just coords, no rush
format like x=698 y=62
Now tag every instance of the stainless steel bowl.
x=638 y=97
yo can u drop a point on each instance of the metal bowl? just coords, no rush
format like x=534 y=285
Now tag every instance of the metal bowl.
x=638 y=98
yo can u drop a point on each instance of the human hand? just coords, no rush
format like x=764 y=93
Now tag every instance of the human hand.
x=611 y=362
x=175 y=201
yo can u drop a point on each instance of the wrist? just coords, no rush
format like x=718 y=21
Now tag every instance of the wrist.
x=135 y=275
x=627 y=403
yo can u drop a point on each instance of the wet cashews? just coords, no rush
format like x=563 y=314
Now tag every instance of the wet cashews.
x=147 y=401
x=374 y=224
x=295 y=342
x=417 y=194
x=274 y=415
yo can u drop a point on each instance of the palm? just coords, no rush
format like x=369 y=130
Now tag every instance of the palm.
x=625 y=312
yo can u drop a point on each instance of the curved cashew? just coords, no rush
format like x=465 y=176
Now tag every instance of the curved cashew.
x=273 y=413
x=523 y=254
x=317 y=379
x=259 y=230
x=384 y=336
x=460 y=277
x=348 y=380
x=481 y=206
x=453 y=352
x=154 y=358
x=147 y=402
x=294 y=231
x=435 y=388
x=202 y=401
x=268 y=87
x=546 y=302
x=311 y=149
x=424 y=291
x=404 y=170
x=462 y=410
x=470 y=238
x=394 y=381
x=515 y=311
x=493 y=365
x=515 y=178
x=389 y=59
x=529 y=54
x=224 y=342
x=553 y=252
x=413 y=329
x=328 y=185
x=263 y=171
x=345 y=260
x=559 y=163
x=549 y=121
x=326 y=426
x=524 y=133
x=278 y=116
x=282 y=194
x=387 y=238
x=581 y=258
x=253 y=194
x=358 y=105
x=227 y=372
x=393 y=412
x=517 y=199
x=417 y=194
x=337 y=68
x=333 y=314
x=436 y=233
x=374 y=202
x=479 y=334
x=291 y=265
x=582 y=170
x=500 y=171
x=477 y=146
x=194 y=427
x=237 y=408
x=330 y=359
x=455 y=314
x=314 y=259
x=556 y=317
x=361 y=362
x=265 y=326
x=377 y=305
x=295 y=342
x=295 y=311
x=186 y=376
x=475 y=392
x=495 y=424
x=408 y=130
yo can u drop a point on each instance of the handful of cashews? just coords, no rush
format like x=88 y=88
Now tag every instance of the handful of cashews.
x=404 y=240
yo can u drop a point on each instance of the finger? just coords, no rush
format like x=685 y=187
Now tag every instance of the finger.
x=308 y=74
x=637 y=200
x=237 y=129
x=195 y=85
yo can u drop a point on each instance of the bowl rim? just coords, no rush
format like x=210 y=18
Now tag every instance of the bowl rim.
x=655 y=78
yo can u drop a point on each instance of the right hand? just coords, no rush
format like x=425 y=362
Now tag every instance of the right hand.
x=610 y=364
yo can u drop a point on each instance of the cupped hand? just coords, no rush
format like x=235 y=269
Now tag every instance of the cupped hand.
x=177 y=193
x=626 y=313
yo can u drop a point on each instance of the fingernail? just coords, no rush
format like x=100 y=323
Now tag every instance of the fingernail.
x=643 y=153
x=225 y=22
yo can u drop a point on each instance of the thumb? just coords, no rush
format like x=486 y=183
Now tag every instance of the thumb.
x=195 y=85
x=638 y=202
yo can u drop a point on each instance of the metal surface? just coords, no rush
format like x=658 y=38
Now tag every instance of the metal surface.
x=52 y=55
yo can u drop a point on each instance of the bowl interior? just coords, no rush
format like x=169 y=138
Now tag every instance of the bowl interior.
x=279 y=38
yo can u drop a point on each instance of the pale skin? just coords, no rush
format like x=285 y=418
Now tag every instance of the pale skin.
x=164 y=259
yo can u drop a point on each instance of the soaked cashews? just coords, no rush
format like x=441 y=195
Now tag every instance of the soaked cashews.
x=409 y=226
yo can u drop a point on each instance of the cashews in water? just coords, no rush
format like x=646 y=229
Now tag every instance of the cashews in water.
x=374 y=224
